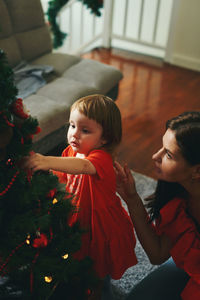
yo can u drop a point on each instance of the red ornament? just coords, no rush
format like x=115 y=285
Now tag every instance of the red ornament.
x=18 y=109
x=88 y=292
x=38 y=130
x=51 y=193
x=40 y=242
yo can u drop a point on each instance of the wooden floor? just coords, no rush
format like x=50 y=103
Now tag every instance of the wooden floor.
x=150 y=93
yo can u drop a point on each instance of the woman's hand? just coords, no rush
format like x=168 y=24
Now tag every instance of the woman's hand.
x=125 y=183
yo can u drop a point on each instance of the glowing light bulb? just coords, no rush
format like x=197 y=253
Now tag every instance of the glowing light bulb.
x=54 y=201
x=28 y=239
x=48 y=279
x=65 y=256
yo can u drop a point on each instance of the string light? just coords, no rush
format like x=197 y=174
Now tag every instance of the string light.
x=54 y=201
x=28 y=239
x=65 y=256
x=48 y=279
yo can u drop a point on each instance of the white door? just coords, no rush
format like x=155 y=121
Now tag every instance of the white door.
x=143 y=26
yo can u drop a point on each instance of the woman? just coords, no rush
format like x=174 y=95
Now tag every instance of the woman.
x=175 y=210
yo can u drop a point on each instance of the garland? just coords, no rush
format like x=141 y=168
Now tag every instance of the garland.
x=54 y=6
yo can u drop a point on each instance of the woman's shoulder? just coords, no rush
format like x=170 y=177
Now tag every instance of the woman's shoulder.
x=172 y=208
x=171 y=212
x=174 y=218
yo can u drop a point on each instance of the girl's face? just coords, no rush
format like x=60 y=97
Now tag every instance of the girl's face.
x=84 y=134
x=169 y=162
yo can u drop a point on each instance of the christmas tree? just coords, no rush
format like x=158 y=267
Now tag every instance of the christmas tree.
x=36 y=244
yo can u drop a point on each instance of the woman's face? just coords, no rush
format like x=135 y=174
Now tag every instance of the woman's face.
x=170 y=164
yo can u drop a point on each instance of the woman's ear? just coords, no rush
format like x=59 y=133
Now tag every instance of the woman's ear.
x=196 y=172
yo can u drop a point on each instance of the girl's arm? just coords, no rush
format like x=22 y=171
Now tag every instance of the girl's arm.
x=70 y=165
x=156 y=247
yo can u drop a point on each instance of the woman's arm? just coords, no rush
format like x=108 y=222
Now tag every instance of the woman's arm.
x=156 y=247
x=70 y=165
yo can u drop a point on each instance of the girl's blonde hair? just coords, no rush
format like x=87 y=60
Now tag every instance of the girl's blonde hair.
x=105 y=112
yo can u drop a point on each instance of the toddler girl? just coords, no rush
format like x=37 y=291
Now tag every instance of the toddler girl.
x=86 y=167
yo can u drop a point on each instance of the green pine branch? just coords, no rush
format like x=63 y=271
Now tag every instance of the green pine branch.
x=54 y=7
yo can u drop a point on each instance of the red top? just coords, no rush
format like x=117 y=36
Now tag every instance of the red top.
x=181 y=229
x=110 y=239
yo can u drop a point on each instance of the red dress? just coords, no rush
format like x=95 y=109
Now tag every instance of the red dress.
x=180 y=228
x=110 y=239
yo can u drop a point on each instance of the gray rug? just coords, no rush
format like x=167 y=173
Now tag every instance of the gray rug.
x=145 y=186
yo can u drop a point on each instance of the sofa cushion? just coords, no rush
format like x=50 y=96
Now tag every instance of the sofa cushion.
x=34 y=43
x=65 y=90
x=10 y=47
x=5 y=22
x=98 y=75
x=50 y=114
x=59 y=61
x=25 y=14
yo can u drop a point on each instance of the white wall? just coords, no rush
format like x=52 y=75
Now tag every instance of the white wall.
x=185 y=44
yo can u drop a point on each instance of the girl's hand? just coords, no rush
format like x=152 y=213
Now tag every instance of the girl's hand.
x=36 y=162
x=125 y=183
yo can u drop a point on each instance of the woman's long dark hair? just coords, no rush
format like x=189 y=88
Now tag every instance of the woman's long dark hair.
x=186 y=127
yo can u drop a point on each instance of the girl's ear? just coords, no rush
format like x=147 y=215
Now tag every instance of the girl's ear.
x=196 y=172
x=103 y=141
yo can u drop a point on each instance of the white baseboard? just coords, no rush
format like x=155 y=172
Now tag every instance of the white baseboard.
x=185 y=62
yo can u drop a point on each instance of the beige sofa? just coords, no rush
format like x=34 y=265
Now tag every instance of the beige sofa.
x=24 y=36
